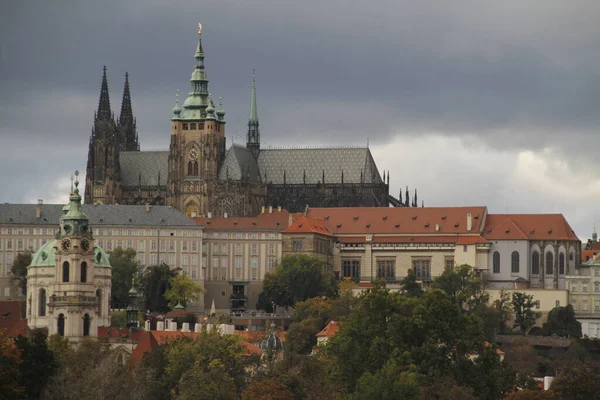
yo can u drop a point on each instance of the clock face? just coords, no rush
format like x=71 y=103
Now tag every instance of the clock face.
x=83 y=228
x=85 y=244
x=66 y=245
x=193 y=154
x=68 y=228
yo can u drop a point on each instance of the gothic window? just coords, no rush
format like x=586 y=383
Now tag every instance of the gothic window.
x=496 y=262
x=42 y=303
x=190 y=168
x=86 y=325
x=561 y=264
x=535 y=263
x=60 y=325
x=514 y=262
x=195 y=168
x=84 y=272
x=65 y=271
x=549 y=263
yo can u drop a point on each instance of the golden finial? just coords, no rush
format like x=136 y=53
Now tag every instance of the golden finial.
x=199 y=29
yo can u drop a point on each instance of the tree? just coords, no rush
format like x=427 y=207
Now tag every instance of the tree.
x=389 y=383
x=532 y=394
x=181 y=290
x=267 y=389
x=409 y=286
x=525 y=317
x=10 y=361
x=579 y=381
x=562 y=322
x=463 y=286
x=18 y=270
x=297 y=278
x=39 y=363
x=154 y=284
x=124 y=269
x=264 y=303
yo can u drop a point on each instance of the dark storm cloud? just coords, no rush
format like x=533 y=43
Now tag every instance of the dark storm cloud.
x=516 y=75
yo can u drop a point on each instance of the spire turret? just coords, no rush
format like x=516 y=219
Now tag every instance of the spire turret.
x=221 y=110
x=194 y=107
x=126 y=110
x=104 y=112
x=594 y=235
x=127 y=125
x=253 y=136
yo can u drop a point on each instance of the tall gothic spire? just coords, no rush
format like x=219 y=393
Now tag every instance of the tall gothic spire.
x=128 y=137
x=104 y=113
x=126 y=116
x=253 y=136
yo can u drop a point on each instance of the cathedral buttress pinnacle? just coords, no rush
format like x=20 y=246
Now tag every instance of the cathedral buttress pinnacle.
x=253 y=136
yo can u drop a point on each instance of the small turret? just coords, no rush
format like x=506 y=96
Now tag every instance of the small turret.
x=594 y=235
x=221 y=110
x=253 y=136
x=176 y=109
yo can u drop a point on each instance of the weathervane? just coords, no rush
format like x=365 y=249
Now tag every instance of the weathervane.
x=199 y=29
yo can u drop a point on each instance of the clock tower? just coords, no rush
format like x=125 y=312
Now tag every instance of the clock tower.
x=69 y=279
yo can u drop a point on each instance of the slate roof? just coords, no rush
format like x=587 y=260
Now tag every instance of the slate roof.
x=296 y=162
x=98 y=215
x=146 y=163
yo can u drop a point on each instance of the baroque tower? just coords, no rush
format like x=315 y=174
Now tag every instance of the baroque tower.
x=69 y=279
x=197 y=146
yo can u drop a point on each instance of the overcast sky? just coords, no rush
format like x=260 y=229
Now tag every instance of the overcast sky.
x=472 y=102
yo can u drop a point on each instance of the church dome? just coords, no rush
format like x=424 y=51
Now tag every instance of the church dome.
x=46 y=256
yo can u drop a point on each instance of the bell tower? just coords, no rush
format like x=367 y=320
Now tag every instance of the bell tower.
x=69 y=278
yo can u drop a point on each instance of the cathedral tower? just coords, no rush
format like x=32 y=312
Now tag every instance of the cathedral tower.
x=69 y=279
x=197 y=146
x=102 y=173
x=128 y=137
x=253 y=136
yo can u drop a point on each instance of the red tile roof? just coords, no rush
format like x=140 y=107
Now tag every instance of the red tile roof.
x=331 y=329
x=588 y=254
x=303 y=224
x=12 y=317
x=528 y=226
x=405 y=220
x=450 y=239
x=276 y=220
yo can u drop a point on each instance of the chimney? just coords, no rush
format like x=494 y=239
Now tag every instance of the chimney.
x=147 y=325
x=262 y=210
x=185 y=327
x=279 y=209
x=38 y=208
x=437 y=227
x=469 y=222
x=270 y=209
x=224 y=215
x=160 y=326
x=147 y=207
x=209 y=214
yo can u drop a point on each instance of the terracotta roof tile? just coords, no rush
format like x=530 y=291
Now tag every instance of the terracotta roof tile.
x=276 y=220
x=450 y=239
x=12 y=313
x=405 y=220
x=303 y=224
x=331 y=329
x=589 y=254
x=528 y=226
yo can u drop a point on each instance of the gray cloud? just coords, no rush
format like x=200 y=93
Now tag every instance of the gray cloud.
x=516 y=75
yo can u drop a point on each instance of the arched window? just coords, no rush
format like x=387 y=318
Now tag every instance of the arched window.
x=190 y=170
x=195 y=168
x=561 y=263
x=84 y=272
x=42 y=303
x=549 y=263
x=86 y=325
x=60 y=325
x=66 y=271
x=514 y=262
x=557 y=303
x=496 y=262
x=535 y=263
x=99 y=301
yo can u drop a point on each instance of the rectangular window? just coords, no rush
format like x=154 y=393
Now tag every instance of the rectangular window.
x=30 y=244
x=109 y=245
x=184 y=259
x=129 y=244
x=120 y=243
x=142 y=245
x=597 y=305
x=194 y=259
x=153 y=259
x=297 y=245
x=223 y=248
x=9 y=259
x=215 y=248
x=271 y=249
x=239 y=236
x=254 y=236
x=215 y=262
x=162 y=245
x=449 y=263
x=238 y=262
x=585 y=305
x=185 y=127
x=422 y=269
x=272 y=263
x=224 y=262
x=254 y=249
x=129 y=232
x=204 y=247
x=141 y=258
x=184 y=245
x=193 y=126
x=194 y=274
x=585 y=288
x=254 y=263
x=386 y=269
x=171 y=245
x=238 y=249
x=44 y=231
x=19 y=244
x=9 y=244
x=574 y=287
x=596 y=287
x=194 y=246
x=171 y=259
x=351 y=269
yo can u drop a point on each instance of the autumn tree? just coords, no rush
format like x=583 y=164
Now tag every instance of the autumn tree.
x=297 y=278
x=267 y=389
x=182 y=290
x=10 y=374
x=124 y=269
x=525 y=317
x=18 y=270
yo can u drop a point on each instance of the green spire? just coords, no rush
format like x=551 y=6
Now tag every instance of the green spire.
x=195 y=105
x=210 y=109
x=253 y=136
x=74 y=221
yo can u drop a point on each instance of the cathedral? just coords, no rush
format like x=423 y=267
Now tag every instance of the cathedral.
x=199 y=176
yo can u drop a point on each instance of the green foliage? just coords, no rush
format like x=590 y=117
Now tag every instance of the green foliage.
x=388 y=383
x=562 y=322
x=525 y=317
x=463 y=286
x=182 y=290
x=579 y=381
x=409 y=286
x=38 y=364
x=154 y=284
x=264 y=303
x=267 y=389
x=297 y=278
x=118 y=319
x=532 y=394
x=124 y=269
x=18 y=270
x=10 y=374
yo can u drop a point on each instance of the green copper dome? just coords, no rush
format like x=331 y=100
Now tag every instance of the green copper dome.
x=46 y=256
